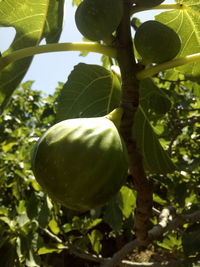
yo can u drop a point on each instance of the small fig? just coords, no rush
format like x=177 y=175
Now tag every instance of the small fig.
x=156 y=42
x=98 y=19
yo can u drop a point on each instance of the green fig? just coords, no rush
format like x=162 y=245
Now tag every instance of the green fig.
x=156 y=42
x=98 y=19
x=81 y=163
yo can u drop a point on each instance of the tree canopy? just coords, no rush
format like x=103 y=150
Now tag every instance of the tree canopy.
x=154 y=218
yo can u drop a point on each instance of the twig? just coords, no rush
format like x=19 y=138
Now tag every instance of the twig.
x=156 y=211
x=190 y=109
x=119 y=255
x=164 y=225
x=173 y=263
x=52 y=236
x=182 y=219
x=73 y=250
x=83 y=255
x=139 y=264
x=164 y=219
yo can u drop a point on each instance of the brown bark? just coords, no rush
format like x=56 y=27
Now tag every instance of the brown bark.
x=129 y=103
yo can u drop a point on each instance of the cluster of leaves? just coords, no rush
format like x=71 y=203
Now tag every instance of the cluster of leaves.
x=35 y=231
x=175 y=119
x=23 y=205
x=28 y=218
x=46 y=19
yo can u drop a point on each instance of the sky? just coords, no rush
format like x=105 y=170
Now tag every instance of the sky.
x=50 y=68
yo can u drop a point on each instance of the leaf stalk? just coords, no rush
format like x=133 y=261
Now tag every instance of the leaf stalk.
x=149 y=72
x=30 y=51
x=163 y=6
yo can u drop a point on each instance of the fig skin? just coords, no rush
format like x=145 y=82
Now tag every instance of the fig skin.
x=81 y=163
x=156 y=42
x=97 y=20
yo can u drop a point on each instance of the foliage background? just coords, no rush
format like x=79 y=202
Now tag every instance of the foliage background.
x=47 y=69
x=34 y=231
x=37 y=232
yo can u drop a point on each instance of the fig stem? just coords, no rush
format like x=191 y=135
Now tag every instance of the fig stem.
x=115 y=116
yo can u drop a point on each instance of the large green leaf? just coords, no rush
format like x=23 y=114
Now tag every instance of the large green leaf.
x=45 y=213
x=93 y=91
x=54 y=21
x=95 y=238
x=32 y=20
x=185 y=22
x=154 y=98
x=155 y=158
x=113 y=214
x=127 y=201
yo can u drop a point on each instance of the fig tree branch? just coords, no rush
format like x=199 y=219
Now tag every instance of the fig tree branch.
x=168 y=220
x=72 y=249
x=172 y=263
x=129 y=103
x=30 y=51
x=52 y=236
x=165 y=224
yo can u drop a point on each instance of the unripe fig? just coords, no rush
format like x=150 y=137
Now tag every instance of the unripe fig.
x=156 y=42
x=98 y=19
x=81 y=163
